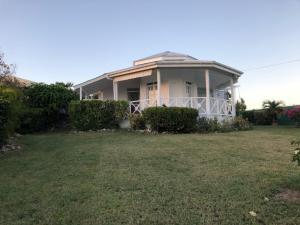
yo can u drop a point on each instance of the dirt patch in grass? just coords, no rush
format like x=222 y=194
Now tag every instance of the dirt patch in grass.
x=289 y=195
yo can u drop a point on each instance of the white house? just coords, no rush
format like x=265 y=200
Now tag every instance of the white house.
x=169 y=79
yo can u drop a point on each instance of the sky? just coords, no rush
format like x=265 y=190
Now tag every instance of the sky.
x=73 y=41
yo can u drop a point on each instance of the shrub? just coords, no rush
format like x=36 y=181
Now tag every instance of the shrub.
x=171 y=119
x=239 y=123
x=4 y=121
x=258 y=117
x=33 y=120
x=294 y=114
x=249 y=115
x=53 y=99
x=14 y=96
x=95 y=114
x=203 y=125
x=137 y=122
x=296 y=155
x=206 y=125
x=262 y=118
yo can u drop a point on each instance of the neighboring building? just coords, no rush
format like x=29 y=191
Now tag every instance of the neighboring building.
x=169 y=79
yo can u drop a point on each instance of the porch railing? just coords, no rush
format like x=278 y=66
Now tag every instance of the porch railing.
x=218 y=106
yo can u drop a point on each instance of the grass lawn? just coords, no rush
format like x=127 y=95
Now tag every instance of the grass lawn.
x=133 y=178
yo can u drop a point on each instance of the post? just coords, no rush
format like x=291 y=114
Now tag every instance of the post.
x=232 y=98
x=207 y=88
x=158 y=78
x=115 y=89
x=80 y=93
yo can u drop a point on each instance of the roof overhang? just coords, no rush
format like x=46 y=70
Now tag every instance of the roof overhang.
x=90 y=81
x=143 y=70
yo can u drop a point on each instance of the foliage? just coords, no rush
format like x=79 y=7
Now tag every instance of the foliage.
x=207 y=125
x=33 y=120
x=5 y=69
x=258 y=117
x=137 y=122
x=50 y=101
x=14 y=96
x=171 y=119
x=239 y=123
x=294 y=114
x=240 y=107
x=95 y=114
x=273 y=108
x=296 y=155
x=4 y=120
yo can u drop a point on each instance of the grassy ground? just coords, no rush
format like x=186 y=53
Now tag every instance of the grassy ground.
x=132 y=178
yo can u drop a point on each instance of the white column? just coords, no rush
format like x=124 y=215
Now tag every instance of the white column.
x=115 y=88
x=207 y=88
x=80 y=93
x=232 y=97
x=158 y=87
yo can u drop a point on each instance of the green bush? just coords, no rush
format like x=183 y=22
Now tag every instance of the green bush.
x=258 y=117
x=32 y=120
x=239 y=123
x=171 y=119
x=137 y=122
x=207 y=125
x=4 y=120
x=53 y=100
x=262 y=118
x=95 y=114
x=14 y=96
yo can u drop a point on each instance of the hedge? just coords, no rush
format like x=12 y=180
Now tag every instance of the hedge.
x=171 y=119
x=4 y=121
x=95 y=114
x=258 y=117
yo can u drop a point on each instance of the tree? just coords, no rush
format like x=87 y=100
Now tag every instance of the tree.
x=5 y=71
x=273 y=108
x=240 y=107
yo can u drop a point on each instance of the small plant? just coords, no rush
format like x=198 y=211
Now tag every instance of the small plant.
x=239 y=123
x=296 y=155
x=294 y=114
x=137 y=122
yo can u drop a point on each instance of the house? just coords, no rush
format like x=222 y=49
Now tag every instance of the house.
x=168 y=79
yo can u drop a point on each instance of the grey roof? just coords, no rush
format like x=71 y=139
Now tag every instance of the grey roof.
x=168 y=54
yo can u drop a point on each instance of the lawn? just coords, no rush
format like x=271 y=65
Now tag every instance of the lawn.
x=134 y=178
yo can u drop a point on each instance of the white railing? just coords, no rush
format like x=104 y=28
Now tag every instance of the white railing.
x=218 y=106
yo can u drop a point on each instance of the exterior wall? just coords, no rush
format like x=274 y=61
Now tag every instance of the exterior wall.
x=164 y=92
x=108 y=93
x=124 y=85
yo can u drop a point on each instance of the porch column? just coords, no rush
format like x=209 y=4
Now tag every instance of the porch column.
x=158 y=78
x=207 y=88
x=232 y=97
x=115 y=89
x=80 y=93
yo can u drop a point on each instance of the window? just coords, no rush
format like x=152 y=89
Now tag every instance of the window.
x=188 y=89
x=151 y=93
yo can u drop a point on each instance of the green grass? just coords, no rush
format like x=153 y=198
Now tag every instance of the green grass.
x=133 y=178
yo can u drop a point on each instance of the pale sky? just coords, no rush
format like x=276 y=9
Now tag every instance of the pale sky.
x=73 y=41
